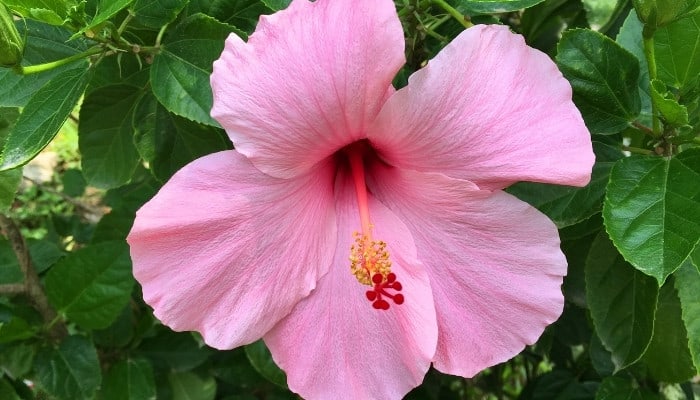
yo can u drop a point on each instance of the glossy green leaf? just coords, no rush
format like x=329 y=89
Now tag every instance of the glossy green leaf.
x=622 y=302
x=668 y=358
x=604 y=77
x=189 y=386
x=492 y=6
x=70 y=371
x=567 y=205
x=106 y=9
x=92 y=285
x=687 y=282
x=677 y=51
x=652 y=211
x=44 y=254
x=43 y=116
x=168 y=142
x=156 y=13
x=44 y=43
x=630 y=38
x=261 y=359
x=109 y=157
x=243 y=14
x=614 y=388
x=277 y=5
x=180 y=73
x=130 y=379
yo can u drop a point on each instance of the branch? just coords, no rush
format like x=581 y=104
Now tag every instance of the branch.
x=32 y=287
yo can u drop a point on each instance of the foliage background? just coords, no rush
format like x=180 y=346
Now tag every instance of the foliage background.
x=118 y=93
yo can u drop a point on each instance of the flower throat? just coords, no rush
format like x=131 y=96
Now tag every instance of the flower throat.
x=369 y=258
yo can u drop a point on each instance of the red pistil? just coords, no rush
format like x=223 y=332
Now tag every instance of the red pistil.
x=379 y=290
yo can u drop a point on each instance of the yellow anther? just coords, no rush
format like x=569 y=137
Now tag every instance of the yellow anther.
x=367 y=258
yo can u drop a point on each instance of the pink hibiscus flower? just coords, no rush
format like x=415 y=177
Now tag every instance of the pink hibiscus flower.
x=362 y=231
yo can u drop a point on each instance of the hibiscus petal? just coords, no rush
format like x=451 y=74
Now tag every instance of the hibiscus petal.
x=488 y=109
x=308 y=81
x=228 y=251
x=335 y=345
x=494 y=262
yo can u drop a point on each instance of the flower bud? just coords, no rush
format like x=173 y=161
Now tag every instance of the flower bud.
x=11 y=43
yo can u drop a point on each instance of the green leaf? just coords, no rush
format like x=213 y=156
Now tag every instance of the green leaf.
x=156 y=13
x=576 y=251
x=9 y=266
x=492 y=6
x=652 y=211
x=45 y=43
x=92 y=285
x=243 y=14
x=601 y=358
x=614 y=388
x=16 y=329
x=622 y=302
x=677 y=51
x=130 y=379
x=261 y=359
x=168 y=142
x=277 y=5
x=54 y=12
x=604 y=77
x=44 y=254
x=178 y=351
x=656 y=13
x=567 y=205
x=43 y=116
x=119 y=333
x=630 y=38
x=188 y=386
x=16 y=360
x=668 y=358
x=180 y=73
x=7 y=392
x=9 y=183
x=70 y=371
x=674 y=114
x=687 y=283
x=106 y=9
x=109 y=157
x=73 y=182
x=114 y=226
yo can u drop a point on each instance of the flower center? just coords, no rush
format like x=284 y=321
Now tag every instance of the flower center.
x=369 y=258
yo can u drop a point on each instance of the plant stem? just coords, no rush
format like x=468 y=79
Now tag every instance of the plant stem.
x=32 y=69
x=453 y=12
x=32 y=287
x=648 y=36
x=636 y=150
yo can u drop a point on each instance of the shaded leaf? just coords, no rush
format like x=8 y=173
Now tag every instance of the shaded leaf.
x=260 y=358
x=178 y=351
x=492 y=6
x=668 y=358
x=156 y=13
x=566 y=205
x=622 y=302
x=188 y=386
x=168 y=142
x=652 y=211
x=243 y=14
x=130 y=379
x=604 y=77
x=70 y=371
x=630 y=38
x=614 y=388
x=109 y=157
x=91 y=286
x=277 y=5
x=687 y=283
x=106 y=9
